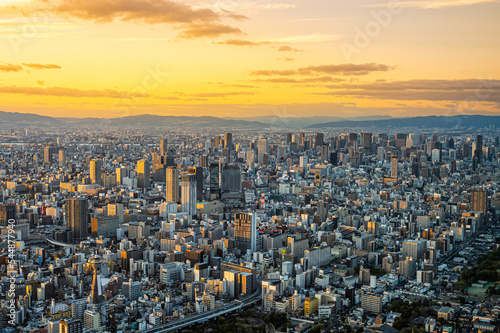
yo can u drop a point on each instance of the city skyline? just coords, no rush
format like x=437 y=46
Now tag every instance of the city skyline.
x=249 y=58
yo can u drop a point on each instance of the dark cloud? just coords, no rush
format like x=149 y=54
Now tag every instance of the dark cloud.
x=342 y=69
x=430 y=90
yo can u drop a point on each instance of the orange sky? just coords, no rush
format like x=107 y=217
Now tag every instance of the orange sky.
x=244 y=58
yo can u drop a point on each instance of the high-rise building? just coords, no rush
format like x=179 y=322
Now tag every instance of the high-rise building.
x=262 y=150
x=214 y=181
x=245 y=232
x=7 y=212
x=414 y=248
x=198 y=172
x=132 y=289
x=77 y=217
x=143 y=173
x=48 y=154
x=163 y=147
x=478 y=152
x=371 y=303
x=231 y=178
x=188 y=194
x=62 y=157
x=95 y=171
x=478 y=201
x=394 y=166
x=367 y=141
x=172 y=187
x=70 y=326
x=228 y=141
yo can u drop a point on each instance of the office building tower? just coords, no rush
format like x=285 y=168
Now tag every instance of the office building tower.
x=77 y=217
x=228 y=141
x=172 y=184
x=478 y=201
x=48 y=154
x=188 y=194
x=62 y=157
x=214 y=181
x=414 y=249
x=198 y=172
x=394 y=166
x=478 y=152
x=245 y=232
x=95 y=171
x=231 y=178
x=367 y=141
x=262 y=150
x=7 y=212
x=163 y=147
x=143 y=174
x=319 y=140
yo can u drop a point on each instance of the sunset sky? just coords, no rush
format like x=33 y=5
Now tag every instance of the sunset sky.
x=245 y=58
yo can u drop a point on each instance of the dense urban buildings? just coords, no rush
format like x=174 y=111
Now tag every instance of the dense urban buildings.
x=139 y=229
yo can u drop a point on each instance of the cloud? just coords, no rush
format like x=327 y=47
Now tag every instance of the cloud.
x=10 y=68
x=433 y=4
x=305 y=80
x=69 y=92
x=487 y=90
x=342 y=69
x=41 y=66
x=197 y=22
x=218 y=94
x=241 y=42
x=288 y=49
x=208 y=30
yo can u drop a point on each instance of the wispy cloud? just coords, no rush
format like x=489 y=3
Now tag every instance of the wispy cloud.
x=437 y=4
x=68 y=92
x=42 y=66
x=342 y=69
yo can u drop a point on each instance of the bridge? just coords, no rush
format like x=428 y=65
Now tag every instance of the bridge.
x=209 y=315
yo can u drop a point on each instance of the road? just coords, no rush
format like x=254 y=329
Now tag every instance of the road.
x=205 y=316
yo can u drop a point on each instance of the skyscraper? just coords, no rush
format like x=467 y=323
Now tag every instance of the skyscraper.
x=143 y=173
x=414 y=248
x=228 y=141
x=394 y=166
x=77 y=217
x=245 y=232
x=188 y=194
x=172 y=188
x=163 y=147
x=262 y=148
x=478 y=201
x=95 y=171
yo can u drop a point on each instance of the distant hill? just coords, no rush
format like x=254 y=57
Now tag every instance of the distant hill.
x=303 y=122
x=464 y=121
x=14 y=119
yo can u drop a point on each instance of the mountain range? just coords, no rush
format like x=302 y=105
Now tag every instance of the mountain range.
x=14 y=120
